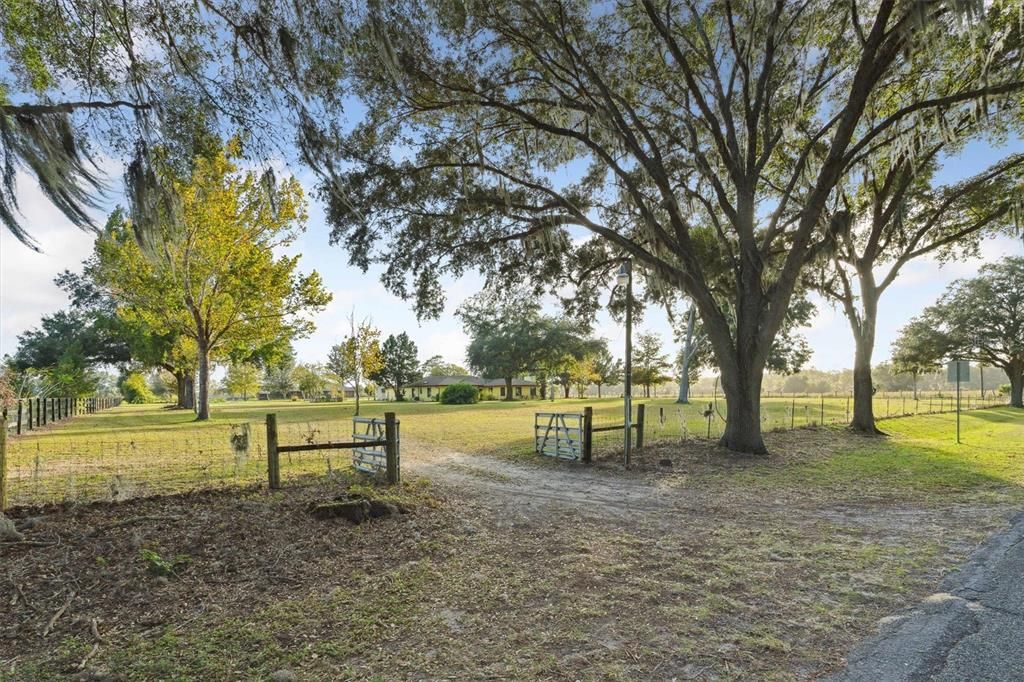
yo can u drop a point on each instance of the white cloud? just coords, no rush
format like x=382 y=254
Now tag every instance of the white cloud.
x=27 y=290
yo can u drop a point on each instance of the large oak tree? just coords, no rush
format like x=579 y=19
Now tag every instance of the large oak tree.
x=705 y=141
x=902 y=215
x=980 y=319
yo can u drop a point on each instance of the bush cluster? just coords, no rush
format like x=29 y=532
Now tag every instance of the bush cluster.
x=135 y=390
x=460 y=394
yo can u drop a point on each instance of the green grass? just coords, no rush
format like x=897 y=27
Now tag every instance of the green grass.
x=918 y=457
x=134 y=450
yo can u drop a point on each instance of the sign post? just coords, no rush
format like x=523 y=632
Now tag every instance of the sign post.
x=958 y=371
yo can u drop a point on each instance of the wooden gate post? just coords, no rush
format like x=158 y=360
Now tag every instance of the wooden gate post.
x=588 y=433
x=640 y=413
x=273 y=461
x=3 y=460
x=391 y=449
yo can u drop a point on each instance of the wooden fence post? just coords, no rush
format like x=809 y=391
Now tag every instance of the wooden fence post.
x=30 y=425
x=3 y=460
x=17 y=429
x=273 y=461
x=394 y=474
x=588 y=433
x=640 y=412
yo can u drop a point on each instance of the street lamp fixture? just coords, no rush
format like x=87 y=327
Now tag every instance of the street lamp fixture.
x=622 y=278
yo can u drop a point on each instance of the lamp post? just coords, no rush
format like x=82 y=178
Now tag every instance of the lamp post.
x=625 y=279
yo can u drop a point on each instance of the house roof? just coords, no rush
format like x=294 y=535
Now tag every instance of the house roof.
x=466 y=379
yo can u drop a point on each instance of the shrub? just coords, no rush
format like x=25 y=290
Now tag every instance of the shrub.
x=460 y=394
x=136 y=390
x=1004 y=389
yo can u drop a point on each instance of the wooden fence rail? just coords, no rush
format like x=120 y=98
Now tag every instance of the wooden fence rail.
x=29 y=414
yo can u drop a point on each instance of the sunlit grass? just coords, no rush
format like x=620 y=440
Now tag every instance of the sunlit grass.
x=143 y=449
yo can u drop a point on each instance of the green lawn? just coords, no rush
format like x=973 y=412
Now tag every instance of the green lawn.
x=134 y=450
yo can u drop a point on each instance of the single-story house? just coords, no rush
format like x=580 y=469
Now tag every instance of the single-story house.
x=429 y=388
x=278 y=395
x=335 y=393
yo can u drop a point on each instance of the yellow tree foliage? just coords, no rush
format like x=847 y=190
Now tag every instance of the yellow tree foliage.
x=212 y=273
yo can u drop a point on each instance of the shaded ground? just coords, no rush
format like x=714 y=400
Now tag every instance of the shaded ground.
x=713 y=568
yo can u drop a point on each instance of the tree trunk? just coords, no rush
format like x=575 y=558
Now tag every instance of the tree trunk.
x=1016 y=389
x=742 y=385
x=508 y=388
x=355 y=386
x=687 y=354
x=567 y=387
x=203 y=413
x=684 y=386
x=863 y=389
x=599 y=391
x=863 y=325
x=915 y=385
x=179 y=379
x=186 y=390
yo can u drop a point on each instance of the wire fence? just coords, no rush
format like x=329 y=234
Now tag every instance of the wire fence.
x=76 y=467
x=137 y=458
x=705 y=417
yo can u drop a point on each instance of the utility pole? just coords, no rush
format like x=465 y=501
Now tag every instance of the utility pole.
x=625 y=277
x=957 y=401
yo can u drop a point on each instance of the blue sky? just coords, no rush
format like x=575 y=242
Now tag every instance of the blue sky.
x=27 y=290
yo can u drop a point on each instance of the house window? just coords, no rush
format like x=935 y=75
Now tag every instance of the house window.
x=502 y=391
x=428 y=391
x=519 y=391
x=533 y=391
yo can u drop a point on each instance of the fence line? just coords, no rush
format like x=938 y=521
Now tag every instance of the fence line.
x=29 y=414
x=48 y=466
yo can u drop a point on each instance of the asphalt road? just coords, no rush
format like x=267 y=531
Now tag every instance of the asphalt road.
x=971 y=630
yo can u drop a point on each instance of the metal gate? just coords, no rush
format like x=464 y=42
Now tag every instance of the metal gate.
x=558 y=434
x=371 y=458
